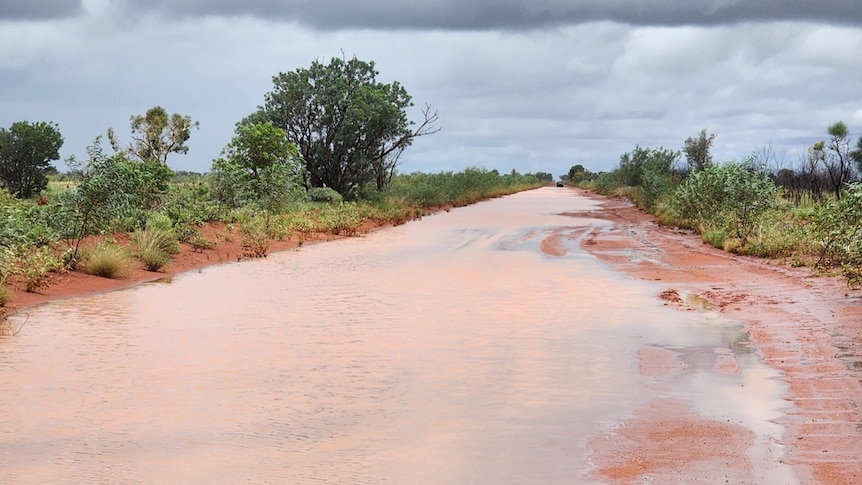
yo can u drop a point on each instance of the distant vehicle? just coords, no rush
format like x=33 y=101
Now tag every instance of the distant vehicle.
x=559 y=184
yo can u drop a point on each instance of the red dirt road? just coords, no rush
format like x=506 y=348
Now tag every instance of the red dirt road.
x=809 y=328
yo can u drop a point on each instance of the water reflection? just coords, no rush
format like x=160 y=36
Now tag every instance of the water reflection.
x=447 y=351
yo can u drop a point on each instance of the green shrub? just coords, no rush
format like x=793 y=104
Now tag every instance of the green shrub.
x=324 y=194
x=5 y=295
x=838 y=230
x=36 y=264
x=108 y=261
x=729 y=197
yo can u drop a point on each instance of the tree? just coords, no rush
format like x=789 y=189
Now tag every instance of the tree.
x=349 y=128
x=155 y=135
x=258 y=166
x=577 y=174
x=26 y=152
x=837 y=158
x=697 y=150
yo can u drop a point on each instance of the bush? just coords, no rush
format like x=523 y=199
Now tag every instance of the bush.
x=108 y=261
x=729 y=197
x=4 y=296
x=838 y=229
x=324 y=194
x=255 y=237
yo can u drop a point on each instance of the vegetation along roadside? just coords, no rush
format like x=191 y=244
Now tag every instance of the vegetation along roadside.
x=320 y=156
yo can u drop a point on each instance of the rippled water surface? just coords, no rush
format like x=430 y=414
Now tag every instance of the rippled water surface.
x=446 y=351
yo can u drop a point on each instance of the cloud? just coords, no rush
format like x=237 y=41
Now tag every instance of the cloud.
x=39 y=10
x=511 y=14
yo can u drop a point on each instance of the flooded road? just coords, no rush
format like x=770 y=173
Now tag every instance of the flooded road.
x=454 y=350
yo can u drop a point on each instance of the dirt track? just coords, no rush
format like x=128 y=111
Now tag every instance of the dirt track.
x=809 y=328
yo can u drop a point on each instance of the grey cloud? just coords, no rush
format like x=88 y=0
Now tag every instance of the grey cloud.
x=511 y=14
x=37 y=10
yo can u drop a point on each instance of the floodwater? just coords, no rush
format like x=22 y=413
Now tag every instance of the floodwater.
x=446 y=351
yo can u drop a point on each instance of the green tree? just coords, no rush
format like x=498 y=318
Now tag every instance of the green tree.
x=155 y=135
x=349 y=128
x=697 y=150
x=837 y=159
x=258 y=166
x=26 y=152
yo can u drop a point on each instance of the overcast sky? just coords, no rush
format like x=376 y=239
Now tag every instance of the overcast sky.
x=534 y=85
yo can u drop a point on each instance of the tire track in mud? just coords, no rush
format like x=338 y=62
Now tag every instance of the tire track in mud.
x=808 y=328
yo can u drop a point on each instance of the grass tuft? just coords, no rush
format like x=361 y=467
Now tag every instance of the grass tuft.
x=108 y=261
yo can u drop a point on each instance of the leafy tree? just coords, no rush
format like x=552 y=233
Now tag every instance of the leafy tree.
x=544 y=177
x=856 y=154
x=349 y=128
x=155 y=135
x=258 y=166
x=697 y=150
x=837 y=158
x=26 y=152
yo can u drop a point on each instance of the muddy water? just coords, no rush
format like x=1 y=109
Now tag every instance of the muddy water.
x=452 y=350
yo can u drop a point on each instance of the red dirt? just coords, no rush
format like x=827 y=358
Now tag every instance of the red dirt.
x=810 y=328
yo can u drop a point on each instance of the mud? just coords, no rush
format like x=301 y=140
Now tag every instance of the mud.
x=806 y=327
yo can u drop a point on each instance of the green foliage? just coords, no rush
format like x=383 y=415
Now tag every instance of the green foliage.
x=155 y=135
x=349 y=128
x=5 y=296
x=838 y=227
x=697 y=150
x=35 y=265
x=26 y=152
x=255 y=237
x=458 y=189
x=258 y=167
x=114 y=194
x=23 y=223
x=729 y=197
x=324 y=195
x=578 y=174
x=108 y=260
x=190 y=204
x=341 y=219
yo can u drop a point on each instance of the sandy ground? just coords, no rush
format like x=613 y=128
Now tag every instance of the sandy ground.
x=809 y=328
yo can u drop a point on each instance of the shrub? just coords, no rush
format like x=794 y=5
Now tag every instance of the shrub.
x=108 y=261
x=255 y=239
x=155 y=246
x=838 y=229
x=324 y=194
x=36 y=264
x=730 y=197
x=4 y=297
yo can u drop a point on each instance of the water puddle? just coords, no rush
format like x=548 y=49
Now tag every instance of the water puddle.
x=453 y=350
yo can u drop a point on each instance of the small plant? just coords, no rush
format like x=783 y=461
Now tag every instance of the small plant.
x=4 y=297
x=108 y=261
x=36 y=265
x=155 y=247
x=255 y=237
x=199 y=243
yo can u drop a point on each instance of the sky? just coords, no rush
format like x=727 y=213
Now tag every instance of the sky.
x=536 y=85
